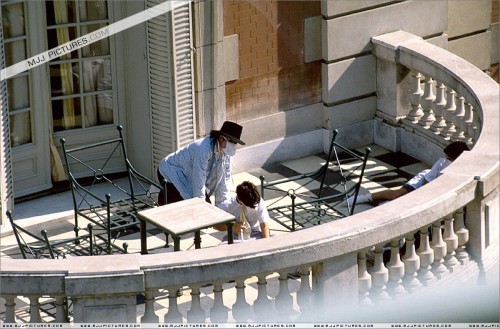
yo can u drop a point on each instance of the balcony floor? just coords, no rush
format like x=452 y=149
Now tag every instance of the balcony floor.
x=54 y=213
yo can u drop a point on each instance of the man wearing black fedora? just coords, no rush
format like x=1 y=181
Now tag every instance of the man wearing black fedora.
x=202 y=168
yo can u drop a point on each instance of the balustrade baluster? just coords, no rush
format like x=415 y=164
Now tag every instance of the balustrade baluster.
x=416 y=111
x=426 y=254
x=380 y=275
x=450 y=107
x=439 y=247
x=241 y=309
x=305 y=295
x=438 y=107
x=458 y=119
x=428 y=98
x=173 y=315
x=149 y=308
x=451 y=240
x=364 y=280
x=60 y=314
x=396 y=271
x=463 y=236
x=467 y=122
x=34 y=309
x=467 y=119
x=284 y=300
x=196 y=314
x=218 y=312
x=10 y=308
x=474 y=127
x=412 y=264
x=263 y=306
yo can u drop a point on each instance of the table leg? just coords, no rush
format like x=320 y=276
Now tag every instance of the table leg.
x=230 y=238
x=197 y=239
x=167 y=245
x=144 y=241
x=177 y=242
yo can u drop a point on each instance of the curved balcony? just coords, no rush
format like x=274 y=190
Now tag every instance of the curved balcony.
x=443 y=98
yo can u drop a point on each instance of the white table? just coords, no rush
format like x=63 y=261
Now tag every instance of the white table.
x=183 y=217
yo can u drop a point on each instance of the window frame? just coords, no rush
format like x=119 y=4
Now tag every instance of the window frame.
x=81 y=94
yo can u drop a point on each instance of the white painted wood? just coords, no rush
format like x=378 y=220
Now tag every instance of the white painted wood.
x=6 y=183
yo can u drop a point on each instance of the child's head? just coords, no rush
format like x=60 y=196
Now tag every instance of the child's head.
x=248 y=194
x=454 y=150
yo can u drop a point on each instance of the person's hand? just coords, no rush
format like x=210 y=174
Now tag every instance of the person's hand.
x=238 y=226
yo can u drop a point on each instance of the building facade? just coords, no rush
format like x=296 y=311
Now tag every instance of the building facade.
x=288 y=71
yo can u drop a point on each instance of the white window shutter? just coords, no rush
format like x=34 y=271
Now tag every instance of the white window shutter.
x=171 y=88
x=6 y=182
x=182 y=47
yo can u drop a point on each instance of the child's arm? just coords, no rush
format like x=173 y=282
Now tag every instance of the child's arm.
x=264 y=227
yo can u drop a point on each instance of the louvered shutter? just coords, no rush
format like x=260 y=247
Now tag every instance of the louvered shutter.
x=6 y=182
x=170 y=80
x=183 y=74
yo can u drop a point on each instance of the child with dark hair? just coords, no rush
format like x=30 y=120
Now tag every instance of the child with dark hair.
x=451 y=152
x=249 y=209
x=248 y=194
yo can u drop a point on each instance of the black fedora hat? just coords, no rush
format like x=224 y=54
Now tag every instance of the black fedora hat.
x=232 y=130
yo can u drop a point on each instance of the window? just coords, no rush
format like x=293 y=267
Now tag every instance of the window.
x=81 y=81
x=68 y=95
x=18 y=88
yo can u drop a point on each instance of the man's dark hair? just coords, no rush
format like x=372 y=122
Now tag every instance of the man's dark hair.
x=454 y=149
x=214 y=134
x=248 y=194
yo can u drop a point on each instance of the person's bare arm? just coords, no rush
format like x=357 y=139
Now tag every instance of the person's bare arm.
x=265 y=230
x=223 y=227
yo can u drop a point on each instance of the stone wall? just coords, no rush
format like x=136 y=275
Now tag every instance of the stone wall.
x=349 y=67
x=348 y=70
x=468 y=31
x=273 y=75
x=495 y=37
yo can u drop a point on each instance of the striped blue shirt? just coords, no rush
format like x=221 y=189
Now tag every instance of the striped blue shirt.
x=198 y=169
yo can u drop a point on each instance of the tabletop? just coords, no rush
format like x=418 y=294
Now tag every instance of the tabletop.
x=186 y=216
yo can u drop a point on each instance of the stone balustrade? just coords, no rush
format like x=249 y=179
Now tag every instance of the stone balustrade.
x=432 y=240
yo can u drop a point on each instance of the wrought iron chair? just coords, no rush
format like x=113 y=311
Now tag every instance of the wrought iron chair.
x=43 y=246
x=299 y=207
x=29 y=243
x=112 y=217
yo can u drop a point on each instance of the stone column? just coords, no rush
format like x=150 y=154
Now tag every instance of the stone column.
x=482 y=222
x=336 y=282
x=208 y=38
x=482 y=213
x=105 y=298
x=393 y=84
